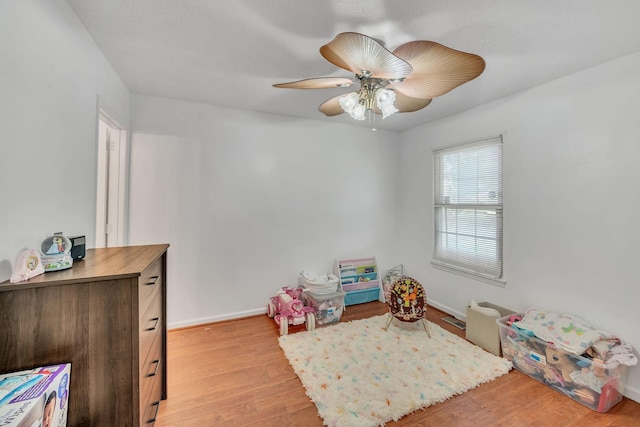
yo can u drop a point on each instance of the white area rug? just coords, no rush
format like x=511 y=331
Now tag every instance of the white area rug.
x=359 y=375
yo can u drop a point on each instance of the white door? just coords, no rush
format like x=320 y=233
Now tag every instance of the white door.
x=110 y=191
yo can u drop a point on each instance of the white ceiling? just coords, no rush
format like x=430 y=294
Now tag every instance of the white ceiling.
x=230 y=52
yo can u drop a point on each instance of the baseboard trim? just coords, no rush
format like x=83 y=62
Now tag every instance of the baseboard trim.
x=632 y=393
x=214 y=319
x=448 y=310
x=258 y=311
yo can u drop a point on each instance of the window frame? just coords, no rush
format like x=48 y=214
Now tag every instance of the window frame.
x=454 y=264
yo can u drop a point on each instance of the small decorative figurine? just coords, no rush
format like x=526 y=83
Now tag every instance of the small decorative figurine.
x=56 y=253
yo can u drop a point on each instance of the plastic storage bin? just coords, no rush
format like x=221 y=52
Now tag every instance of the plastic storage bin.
x=328 y=308
x=362 y=296
x=482 y=329
x=324 y=284
x=364 y=281
x=600 y=386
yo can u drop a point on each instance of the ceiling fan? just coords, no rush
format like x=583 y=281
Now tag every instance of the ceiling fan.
x=404 y=80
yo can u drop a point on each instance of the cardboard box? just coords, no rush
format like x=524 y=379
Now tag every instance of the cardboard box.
x=482 y=330
x=37 y=397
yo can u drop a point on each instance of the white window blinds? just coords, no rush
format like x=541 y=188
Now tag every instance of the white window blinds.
x=468 y=208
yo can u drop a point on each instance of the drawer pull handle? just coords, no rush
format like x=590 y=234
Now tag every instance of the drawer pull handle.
x=153 y=420
x=153 y=280
x=157 y=363
x=155 y=325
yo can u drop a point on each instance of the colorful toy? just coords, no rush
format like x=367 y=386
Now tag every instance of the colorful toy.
x=287 y=308
x=561 y=361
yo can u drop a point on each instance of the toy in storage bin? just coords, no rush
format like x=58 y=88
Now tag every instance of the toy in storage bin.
x=328 y=308
x=598 y=386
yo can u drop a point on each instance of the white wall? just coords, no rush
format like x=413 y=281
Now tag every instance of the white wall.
x=571 y=200
x=51 y=73
x=249 y=200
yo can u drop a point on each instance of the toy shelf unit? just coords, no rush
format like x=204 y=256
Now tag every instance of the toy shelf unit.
x=360 y=279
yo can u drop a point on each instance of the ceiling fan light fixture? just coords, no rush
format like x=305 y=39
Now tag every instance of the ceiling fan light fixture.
x=358 y=112
x=370 y=96
x=348 y=101
x=352 y=105
x=384 y=100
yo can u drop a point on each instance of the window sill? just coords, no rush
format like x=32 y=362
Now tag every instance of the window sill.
x=495 y=282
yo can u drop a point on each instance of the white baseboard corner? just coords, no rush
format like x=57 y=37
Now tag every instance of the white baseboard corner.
x=455 y=313
x=632 y=393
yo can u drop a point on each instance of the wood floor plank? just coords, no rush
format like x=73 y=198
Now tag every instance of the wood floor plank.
x=234 y=373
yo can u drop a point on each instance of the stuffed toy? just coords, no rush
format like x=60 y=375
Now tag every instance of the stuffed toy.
x=561 y=361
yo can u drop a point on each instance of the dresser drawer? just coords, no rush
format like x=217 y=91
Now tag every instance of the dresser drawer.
x=151 y=371
x=150 y=283
x=149 y=409
x=150 y=322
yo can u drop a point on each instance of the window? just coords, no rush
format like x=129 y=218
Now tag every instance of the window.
x=468 y=209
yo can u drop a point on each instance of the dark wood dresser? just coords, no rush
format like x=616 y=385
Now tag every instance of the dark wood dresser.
x=107 y=316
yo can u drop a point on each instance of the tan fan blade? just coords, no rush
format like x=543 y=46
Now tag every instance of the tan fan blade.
x=317 y=83
x=406 y=104
x=437 y=69
x=331 y=107
x=358 y=53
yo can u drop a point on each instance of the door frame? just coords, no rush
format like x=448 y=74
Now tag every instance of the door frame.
x=118 y=178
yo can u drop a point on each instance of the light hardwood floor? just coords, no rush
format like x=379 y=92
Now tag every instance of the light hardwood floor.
x=234 y=374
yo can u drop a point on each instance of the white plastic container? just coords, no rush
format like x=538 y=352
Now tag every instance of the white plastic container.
x=323 y=284
x=528 y=354
x=328 y=308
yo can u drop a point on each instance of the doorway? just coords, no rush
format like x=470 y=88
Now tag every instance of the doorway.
x=111 y=183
